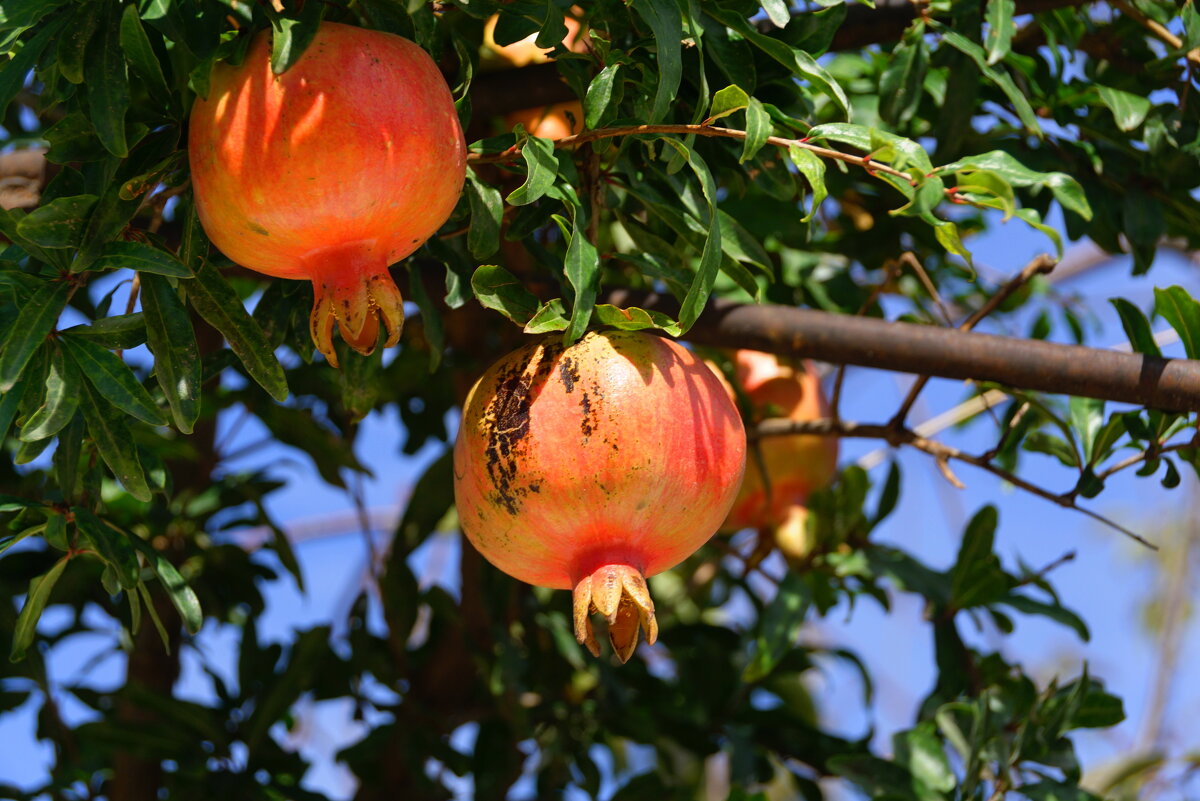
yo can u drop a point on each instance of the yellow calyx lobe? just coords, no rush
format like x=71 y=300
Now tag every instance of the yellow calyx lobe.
x=357 y=293
x=619 y=593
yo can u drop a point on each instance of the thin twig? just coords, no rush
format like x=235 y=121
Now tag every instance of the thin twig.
x=1041 y=264
x=1156 y=30
x=869 y=164
x=896 y=437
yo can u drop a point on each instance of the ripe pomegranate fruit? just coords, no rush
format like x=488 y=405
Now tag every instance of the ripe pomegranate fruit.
x=555 y=121
x=795 y=465
x=342 y=165
x=594 y=466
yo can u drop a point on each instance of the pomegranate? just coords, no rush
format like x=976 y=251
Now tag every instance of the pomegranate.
x=555 y=121
x=795 y=465
x=342 y=165
x=594 y=466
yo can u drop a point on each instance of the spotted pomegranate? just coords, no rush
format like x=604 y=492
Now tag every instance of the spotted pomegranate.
x=795 y=465
x=342 y=165
x=594 y=466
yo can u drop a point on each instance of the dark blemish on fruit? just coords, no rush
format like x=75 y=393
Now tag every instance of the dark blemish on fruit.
x=568 y=371
x=506 y=426
x=256 y=228
x=585 y=423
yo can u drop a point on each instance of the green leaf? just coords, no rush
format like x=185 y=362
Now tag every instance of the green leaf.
x=170 y=337
x=112 y=378
x=948 y=237
x=1001 y=79
x=582 y=268
x=13 y=73
x=432 y=321
x=541 y=168
x=111 y=545
x=903 y=81
x=181 y=595
x=120 y=332
x=59 y=223
x=725 y=102
x=487 y=210
x=1055 y=612
x=31 y=612
x=33 y=324
x=796 y=60
x=778 y=12
x=601 y=93
x=635 y=319
x=29 y=532
x=499 y=290
x=921 y=752
x=812 y=168
x=758 y=130
x=292 y=36
x=1067 y=191
x=780 y=626
x=550 y=316
x=976 y=578
x=1129 y=110
x=136 y=45
x=113 y=441
x=1137 y=327
x=107 y=86
x=1001 y=28
x=141 y=257
x=10 y=404
x=1034 y=220
x=72 y=45
x=24 y=13
x=217 y=302
x=666 y=23
x=1179 y=309
x=1087 y=418
x=59 y=403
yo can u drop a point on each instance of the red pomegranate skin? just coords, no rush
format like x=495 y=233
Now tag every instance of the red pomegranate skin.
x=796 y=464
x=342 y=165
x=593 y=466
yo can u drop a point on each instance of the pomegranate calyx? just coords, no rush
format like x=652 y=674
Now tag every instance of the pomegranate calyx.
x=358 y=298
x=618 y=593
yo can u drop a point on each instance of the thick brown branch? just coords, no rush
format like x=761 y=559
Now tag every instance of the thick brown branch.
x=1172 y=384
x=1040 y=265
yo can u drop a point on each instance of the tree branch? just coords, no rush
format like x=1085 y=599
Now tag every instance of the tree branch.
x=513 y=153
x=827 y=426
x=1172 y=384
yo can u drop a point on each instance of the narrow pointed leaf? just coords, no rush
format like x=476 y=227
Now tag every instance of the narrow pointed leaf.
x=112 y=378
x=181 y=595
x=541 y=168
x=34 y=323
x=111 y=545
x=1137 y=327
x=1183 y=313
x=107 y=87
x=141 y=257
x=111 y=435
x=35 y=603
x=170 y=337
x=665 y=22
x=60 y=402
x=220 y=306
